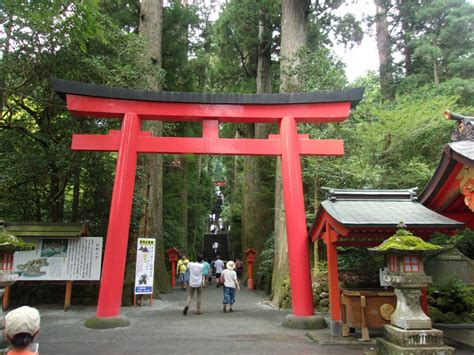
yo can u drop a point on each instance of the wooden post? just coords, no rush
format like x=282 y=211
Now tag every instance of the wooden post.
x=363 y=309
x=67 y=295
x=6 y=298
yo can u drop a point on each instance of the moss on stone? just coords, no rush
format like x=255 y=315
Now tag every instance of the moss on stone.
x=404 y=240
x=10 y=242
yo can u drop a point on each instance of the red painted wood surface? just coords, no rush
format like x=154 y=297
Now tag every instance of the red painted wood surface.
x=330 y=238
x=110 y=294
x=223 y=146
x=170 y=111
x=298 y=253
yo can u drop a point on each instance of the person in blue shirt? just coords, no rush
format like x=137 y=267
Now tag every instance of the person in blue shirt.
x=206 y=272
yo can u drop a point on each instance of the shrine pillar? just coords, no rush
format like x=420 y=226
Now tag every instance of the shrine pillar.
x=330 y=237
x=110 y=294
x=298 y=253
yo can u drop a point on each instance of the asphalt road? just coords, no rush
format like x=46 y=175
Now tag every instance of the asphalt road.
x=253 y=327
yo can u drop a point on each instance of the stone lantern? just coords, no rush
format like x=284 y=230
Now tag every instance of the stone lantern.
x=410 y=330
x=8 y=245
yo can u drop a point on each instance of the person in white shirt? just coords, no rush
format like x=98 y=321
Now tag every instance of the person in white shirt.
x=195 y=284
x=230 y=284
x=219 y=265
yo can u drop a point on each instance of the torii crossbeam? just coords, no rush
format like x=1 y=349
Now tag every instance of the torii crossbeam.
x=134 y=106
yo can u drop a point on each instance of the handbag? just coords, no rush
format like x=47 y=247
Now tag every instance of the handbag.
x=221 y=279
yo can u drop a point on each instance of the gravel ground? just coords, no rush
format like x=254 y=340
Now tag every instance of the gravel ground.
x=253 y=327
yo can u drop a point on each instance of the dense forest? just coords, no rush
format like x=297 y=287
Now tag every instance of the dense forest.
x=393 y=138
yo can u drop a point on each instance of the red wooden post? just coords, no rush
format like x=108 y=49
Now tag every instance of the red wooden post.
x=173 y=274
x=298 y=253
x=173 y=255
x=333 y=275
x=110 y=294
x=250 y=258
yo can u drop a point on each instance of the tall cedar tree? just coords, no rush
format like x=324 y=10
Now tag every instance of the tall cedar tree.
x=257 y=207
x=384 y=49
x=294 y=33
x=149 y=184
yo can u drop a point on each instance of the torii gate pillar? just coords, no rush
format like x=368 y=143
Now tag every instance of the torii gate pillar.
x=135 y=106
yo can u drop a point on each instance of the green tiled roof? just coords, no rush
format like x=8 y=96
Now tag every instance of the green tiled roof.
x=354 y=208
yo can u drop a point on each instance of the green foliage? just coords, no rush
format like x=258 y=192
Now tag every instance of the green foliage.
x=285 y=301
x=320 y=287
x=452 y=302
x=316 y=70
x=359 y=268
x=74 y=41
x=180 y=21
x=265 y=269
x=464 y=241
x=436 y=40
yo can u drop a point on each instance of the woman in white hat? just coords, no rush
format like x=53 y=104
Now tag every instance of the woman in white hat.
x=230 y=284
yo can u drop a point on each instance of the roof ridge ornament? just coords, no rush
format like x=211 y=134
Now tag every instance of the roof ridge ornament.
x=464 y=126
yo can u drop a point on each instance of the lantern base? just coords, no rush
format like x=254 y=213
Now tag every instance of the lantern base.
x=385 y=347
x=107 y=323
x=306 y=322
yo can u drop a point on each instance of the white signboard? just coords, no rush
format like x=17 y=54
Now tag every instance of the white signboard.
x=383 y=271
x=144 y=267
x=60 y=259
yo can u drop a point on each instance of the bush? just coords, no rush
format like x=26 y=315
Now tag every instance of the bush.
x=452 y=302
x=464 y=241
x=265 y=269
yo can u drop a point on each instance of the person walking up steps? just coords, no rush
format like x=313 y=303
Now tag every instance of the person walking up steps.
x=219 y=265
x=181 y=268
x=230 y=284
x=206 y=271
x=195 y=284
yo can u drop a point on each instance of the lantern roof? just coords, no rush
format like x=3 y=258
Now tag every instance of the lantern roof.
x=403 y=241
x=8 y=242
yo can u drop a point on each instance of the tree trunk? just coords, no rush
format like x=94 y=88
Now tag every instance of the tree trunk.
x=76 y=189
x=384 y=49
x=255 y=231
x=264 y=75
x=294 y=33
x=150 y=185
x=56 y=196
x=184 y=206
x=405 y=15
x=3 y=66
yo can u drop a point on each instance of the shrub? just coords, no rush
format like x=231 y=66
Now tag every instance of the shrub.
x=452 y=302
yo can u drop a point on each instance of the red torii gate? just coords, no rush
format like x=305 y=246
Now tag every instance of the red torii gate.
x=133 y=106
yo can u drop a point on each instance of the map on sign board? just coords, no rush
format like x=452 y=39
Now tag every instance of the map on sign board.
x=60 y=259
x=144 y=266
